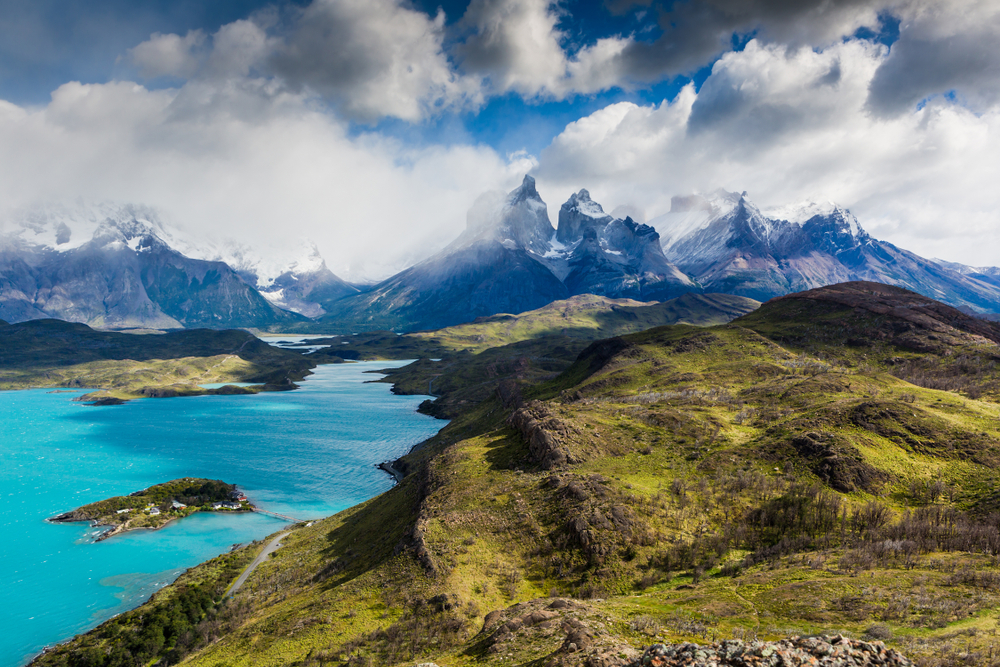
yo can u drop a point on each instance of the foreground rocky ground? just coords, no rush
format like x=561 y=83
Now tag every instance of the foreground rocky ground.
x=836 y=651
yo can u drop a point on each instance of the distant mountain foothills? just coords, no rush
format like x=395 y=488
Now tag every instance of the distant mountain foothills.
x=826 y=464
x=53 y=353
x=462 y=365
x=121 y=267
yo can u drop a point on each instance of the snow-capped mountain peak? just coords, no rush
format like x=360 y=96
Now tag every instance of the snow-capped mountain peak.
x=803 y=212
x=519 y=219
x=63 y=228
x=582 y=203
x=579 y=214
x=693 y=213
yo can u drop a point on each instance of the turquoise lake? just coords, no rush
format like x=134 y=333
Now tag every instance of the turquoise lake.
x=306 y=453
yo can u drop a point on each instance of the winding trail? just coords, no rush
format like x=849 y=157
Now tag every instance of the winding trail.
x=753 y=608
x=271 y=547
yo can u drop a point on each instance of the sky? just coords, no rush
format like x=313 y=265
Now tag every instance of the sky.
x=371 y=126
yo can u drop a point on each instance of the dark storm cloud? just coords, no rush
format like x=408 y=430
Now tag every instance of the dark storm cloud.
x=695 y=32
x=923 y=64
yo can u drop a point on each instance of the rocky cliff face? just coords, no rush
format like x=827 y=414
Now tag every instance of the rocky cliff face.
x=510 y=259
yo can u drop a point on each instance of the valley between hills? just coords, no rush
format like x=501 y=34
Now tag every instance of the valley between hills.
x=825 y=463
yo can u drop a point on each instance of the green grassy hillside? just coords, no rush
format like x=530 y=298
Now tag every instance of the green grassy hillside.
x=823 y=464
x=586 y=317
x=462 y=365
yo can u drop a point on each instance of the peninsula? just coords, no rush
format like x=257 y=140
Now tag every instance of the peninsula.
x=124 y=366
x=155 y=507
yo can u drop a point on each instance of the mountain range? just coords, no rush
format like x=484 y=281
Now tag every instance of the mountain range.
x=510 y=259
x=121 y=266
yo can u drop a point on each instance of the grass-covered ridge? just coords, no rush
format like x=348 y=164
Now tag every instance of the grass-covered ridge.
x=462 y=365
x=53 y=353
x=777 y=475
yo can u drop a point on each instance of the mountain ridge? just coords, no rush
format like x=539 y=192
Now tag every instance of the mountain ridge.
x=511 y=259
x=119 y=266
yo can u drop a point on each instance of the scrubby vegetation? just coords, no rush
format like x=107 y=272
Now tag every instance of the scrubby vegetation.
x=759 y=479
x=177 y=621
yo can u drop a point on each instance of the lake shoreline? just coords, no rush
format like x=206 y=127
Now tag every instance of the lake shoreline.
x=122 y=528
x=158 y=505
x=301 y=453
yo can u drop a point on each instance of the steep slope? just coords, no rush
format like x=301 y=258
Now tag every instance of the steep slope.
x=728 y=245
x=676 y=484
x=115 y=270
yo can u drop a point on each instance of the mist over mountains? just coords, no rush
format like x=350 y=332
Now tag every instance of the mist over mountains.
x=120 y=266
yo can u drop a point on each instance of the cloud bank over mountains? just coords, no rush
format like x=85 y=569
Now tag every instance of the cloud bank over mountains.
x=287 y=121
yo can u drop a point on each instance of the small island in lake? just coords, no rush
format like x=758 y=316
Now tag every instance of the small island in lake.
x=160 y=504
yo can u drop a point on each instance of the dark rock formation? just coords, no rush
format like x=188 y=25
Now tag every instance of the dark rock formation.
x=544 y=432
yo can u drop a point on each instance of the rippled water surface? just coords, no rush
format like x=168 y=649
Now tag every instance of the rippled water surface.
x=306 y=453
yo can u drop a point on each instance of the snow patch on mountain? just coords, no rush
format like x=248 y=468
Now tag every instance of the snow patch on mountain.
x=60 y=227
x=691 y=214
x=558 y=249
x=803 y=212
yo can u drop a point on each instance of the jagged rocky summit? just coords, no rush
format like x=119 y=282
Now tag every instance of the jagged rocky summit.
x=727 y=244
x=510 y=259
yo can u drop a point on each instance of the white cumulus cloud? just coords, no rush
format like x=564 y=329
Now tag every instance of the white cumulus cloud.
x=248 y=160
x=793 y=124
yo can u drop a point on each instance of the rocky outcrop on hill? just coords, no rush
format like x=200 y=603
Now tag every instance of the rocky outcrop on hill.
x=576 y=630
x=838 y=463
x=579 y=635
x=545 y=434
